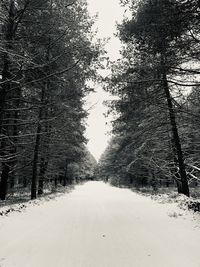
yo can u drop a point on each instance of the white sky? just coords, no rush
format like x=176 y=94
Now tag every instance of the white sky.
x=109 y=11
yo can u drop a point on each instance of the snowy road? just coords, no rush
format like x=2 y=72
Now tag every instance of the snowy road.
x=97 y=225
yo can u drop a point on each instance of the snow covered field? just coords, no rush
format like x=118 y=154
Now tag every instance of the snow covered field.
x=97 y=225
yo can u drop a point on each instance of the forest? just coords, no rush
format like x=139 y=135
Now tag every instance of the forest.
x=156 y=86
x=48 y=58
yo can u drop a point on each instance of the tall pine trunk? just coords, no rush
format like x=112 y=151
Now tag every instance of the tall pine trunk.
x=184 y=188
x=65 y=178
x=44 y=116
x=34 y=180
x=5 y=87
x=35 y=162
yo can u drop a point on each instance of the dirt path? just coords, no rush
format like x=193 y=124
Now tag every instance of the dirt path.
x=99 y=226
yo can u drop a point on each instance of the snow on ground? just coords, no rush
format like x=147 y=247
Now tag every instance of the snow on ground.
x=97 y=225
x=182 y=201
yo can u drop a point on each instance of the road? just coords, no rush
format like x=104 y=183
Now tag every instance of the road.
x=97 y=225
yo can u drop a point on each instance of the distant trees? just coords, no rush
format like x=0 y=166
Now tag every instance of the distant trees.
x=47 y=56
x=159 y=65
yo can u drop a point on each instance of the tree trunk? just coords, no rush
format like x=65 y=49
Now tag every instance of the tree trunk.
x=55 y=182
x=179 y=187
x=176 y=138
x=43 y=168
x=3 y=92
x=65 y=179
x=43 y=114
x=4 y=181
x=37 y=144
x=45 y=159
x=35 y=163
x=65 y=175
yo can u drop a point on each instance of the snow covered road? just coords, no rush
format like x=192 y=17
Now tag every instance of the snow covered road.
x=97 y=225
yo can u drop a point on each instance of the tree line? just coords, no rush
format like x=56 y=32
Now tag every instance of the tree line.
x=156 y=87
x=47 y=57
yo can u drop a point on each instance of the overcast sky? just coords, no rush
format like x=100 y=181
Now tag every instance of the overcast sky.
x=109 y=12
